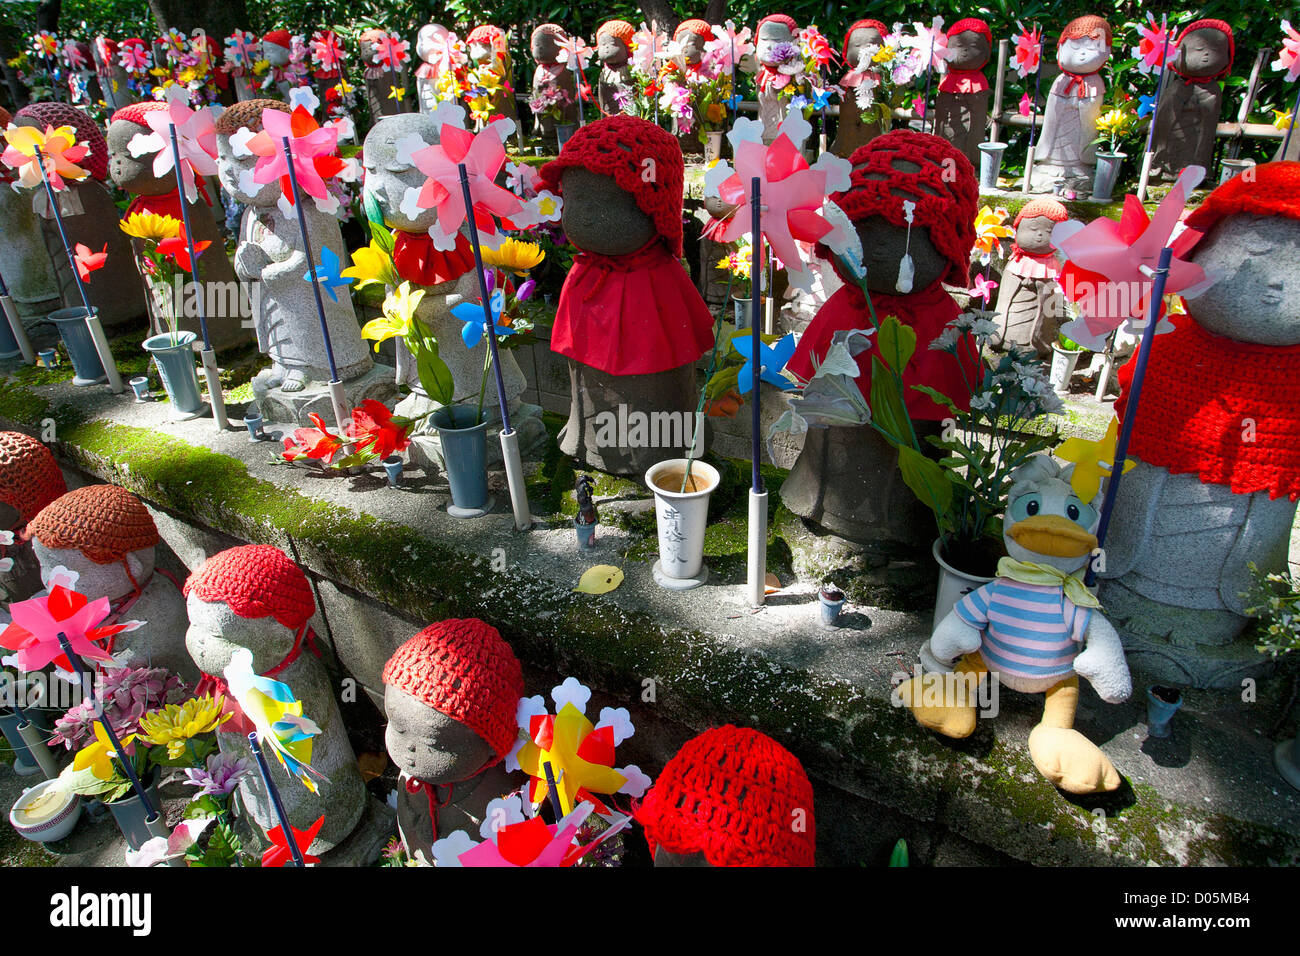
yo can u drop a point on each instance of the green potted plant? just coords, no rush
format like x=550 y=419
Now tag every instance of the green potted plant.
x=1276 y=599
x=1112 y=127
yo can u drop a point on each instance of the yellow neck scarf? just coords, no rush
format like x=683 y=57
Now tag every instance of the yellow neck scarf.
x=1029 y=572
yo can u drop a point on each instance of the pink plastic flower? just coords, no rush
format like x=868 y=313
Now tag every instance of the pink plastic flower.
x=574 y=53
x=1288 y=57
x=1029 y=51
x=649 y=46
x=326 y=53
x=483 y=155
x=195 y=137
x=729 y=45
x=815 y=46
x=983 y=289
x=134 y=56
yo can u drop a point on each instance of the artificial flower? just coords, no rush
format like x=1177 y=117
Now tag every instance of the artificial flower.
x=319 y=443
x=372 y=264
x=471 y=314
x=161 y=849
x=514 y=256
x=150 y=226
x=88 y=262
x=1288 y=57
x=279 y=853
x=98 y=755
x=220 y=774
x=374 y=430
x=398 y=313
x=983 y=289
x=175 y=725
x=58 y=146
x=178 y=250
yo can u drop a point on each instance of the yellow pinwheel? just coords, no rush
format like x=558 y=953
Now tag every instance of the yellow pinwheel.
x=580 y=756
x=57 y=145
x=990 y=229
x=1093 y=460
x=276 y=715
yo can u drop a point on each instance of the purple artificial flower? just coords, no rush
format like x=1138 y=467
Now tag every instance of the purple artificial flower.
x=783 y=53
x=525 y=291
x=220 y=776
x=127 y=693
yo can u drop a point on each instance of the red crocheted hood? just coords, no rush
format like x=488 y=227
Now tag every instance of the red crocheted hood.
x=279 y=38
x=464 y=669
x=1223 y=28
x=735 y=795
x=255 y=580
x=944 y=190
x=135 y=112
x=1270 y=189
x=975 y=25
x=618 y=146
x=88 y=131
x=29 y=476
x=698 y=27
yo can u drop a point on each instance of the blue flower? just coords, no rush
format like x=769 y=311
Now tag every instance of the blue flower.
x=773 y=358
x=471 y=313
x=328 y=273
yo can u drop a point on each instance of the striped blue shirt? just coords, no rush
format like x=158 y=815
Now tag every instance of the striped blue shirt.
x=1030 y=630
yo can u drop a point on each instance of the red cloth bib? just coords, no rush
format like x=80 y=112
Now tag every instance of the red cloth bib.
x=166 y=204
x=631 y=315
x=1200 y=393
x=964 y=81
x=418 y=262
x=926 y=312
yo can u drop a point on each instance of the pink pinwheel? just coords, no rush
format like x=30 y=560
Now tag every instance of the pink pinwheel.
x=729 y=46
x=326 y=53
x=241 y=52
x=195 y=135
x=37 y=623
x=983 y=289
x=1029 y=51
x=650 y=46
x=58 y=146
x=391 y=51
x=134 y=56
x=483 y=155
x=932 y=42
x=1026 y=105
x=1151 y=52
x=313 y=148
x=1108 y=265
x=532 y=842
x=442 y=51
x=574 y=53
x=1288 y=57
x=73 y=55
x=792 y=194
x=45 y=44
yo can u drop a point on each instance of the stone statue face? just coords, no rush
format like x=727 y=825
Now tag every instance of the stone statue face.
x=545 y=47
x=387 y=177
x=274 y=54
x=8 y=516
x=236 y=175
x=692 y=48
x=968 y=50
x=1204 y=53
x=96 y=580
x=480 y=52
x=883 y=247
x=769 y=35
x=612 y=51
x=1083 y=54
x=216 y=632
x=668 y=858
x=1034 y=235
x=424 y=39
x=367 y=52
x=1255 y=299
x=863 y=38
x=598 y=216
x=427 y=744
x=127 y=172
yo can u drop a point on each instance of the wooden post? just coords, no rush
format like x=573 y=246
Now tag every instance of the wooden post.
x=998 y=85
x=1247 y=102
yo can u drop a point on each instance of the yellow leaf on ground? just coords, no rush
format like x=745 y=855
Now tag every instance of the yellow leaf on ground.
x=600 y=580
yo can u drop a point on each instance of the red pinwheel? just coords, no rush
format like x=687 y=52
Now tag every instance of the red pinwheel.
x=314 y=149
x=391 y=51
x=1029 y=50
x=326 y=54
x=88 y=262
x=483 y=155
x=176 y=249
x=280 y=854
x=37 y=623
x=792 y=194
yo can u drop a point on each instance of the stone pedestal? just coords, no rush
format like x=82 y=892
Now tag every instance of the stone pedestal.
x=960 y=118
x=851 y=132
x=277 y=405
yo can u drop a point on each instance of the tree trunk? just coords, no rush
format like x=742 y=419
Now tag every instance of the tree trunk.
x=218 y=18
x=47 y=15
x=659 y=14
x=9 y=50
x=716 y=12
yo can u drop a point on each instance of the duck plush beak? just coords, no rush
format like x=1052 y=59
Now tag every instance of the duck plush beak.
x=1053 y=536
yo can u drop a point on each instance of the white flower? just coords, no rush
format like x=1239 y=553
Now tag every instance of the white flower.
x=619 y=720
x=571 y=692
x=983 y=328
x=238 y=142
x=745 y=130
x=636 y=783
x=983 y=402
x=501 y=812
x=447 y=851
x=304 y=96
x=405 y=148
x=448 y=112
x=795 y=127
x=838 y=172
x=946 y=341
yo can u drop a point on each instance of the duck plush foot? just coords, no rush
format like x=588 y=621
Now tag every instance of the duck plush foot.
x=1071 y=761
x=945 y=702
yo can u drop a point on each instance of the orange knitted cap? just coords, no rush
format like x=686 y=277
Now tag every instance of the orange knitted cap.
x=103 y=522
x=698 y=27
x=944 y=190
x=553 y=29
x=255 y=580
x=488 y=35
x=134 y=112
x=1087 y=26
x=618 y=146
x=735 y=795
x=1043 y=206
x=29 y=477
x=247 y=113
x=464 y=669
x=88 y=131
x=617 y=28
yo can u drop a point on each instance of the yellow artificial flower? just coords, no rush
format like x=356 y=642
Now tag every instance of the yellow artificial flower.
x=260 y=67
x=158 y=71
x=399 y=312
x=1282 y=119
x=990 y=227
x=343 y=87
x=715 y=113
x=174 y=725
x=518 y=257
x=883 y=55
x=150 y=226
x=371 y=264
x=1115 y=123
x=99 y=754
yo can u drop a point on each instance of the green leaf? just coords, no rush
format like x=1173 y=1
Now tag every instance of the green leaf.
x=722 y=382
x=204 y=806
x=899 y=856
x=435 y=376
x=938 y=397
x=374 y=213
x=887 y=408
x=381 y=234
x=927 y=480
x=896 y=343
x=222 y=849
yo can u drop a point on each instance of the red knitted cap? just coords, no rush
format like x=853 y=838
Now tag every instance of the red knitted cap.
x=1084 y=27
x=1042 y=206
x=617 y=146
x=279 y=38
x=88 y=131
x=973 y=24
x=944 y=190
x=861 y=25
x=617 y=28
x=1223 y=28
x=554 y=29
x=134 y=112
x=464 y=669
x=255 y=580
x=103 y=522
x=5 y=117
x=781 y=18
x=698 y=27
x=29 y=477
x=1270 y=189
x=732 y=794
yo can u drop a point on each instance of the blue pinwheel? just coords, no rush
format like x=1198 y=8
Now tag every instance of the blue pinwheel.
x=328 y=273
x=822 y=99
x=773 y=358
x=1146 y=104
x=733 y=102
x=471 y=313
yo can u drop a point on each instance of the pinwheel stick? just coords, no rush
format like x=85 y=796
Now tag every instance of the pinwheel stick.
x=341 y=415
x=929 y=77
x=79 y=669
x=92 y=317
x=552 y=790
x=276 y=802
x=1147 y=155
x=1033 y=113
x=16 y=324
x=1159 y=277
x=756 y=571
x=215 y=396
x=1295 y=108
x=509 y=440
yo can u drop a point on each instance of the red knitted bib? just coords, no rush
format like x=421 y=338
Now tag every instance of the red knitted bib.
x=1200 y=396
x=417 y=261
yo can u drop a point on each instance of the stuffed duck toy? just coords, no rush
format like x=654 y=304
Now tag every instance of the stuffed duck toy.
x=1036 y=628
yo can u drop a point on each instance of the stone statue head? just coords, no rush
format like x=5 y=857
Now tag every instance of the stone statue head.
x=131 y=173
x=883 y=247
x=968 y=49
x=1255 y=297
x=863 y=35
x=772 y=30
x=276 y=46
x=599 y=216
x=235 y=165
x=691 y=35
x=544 y=44
x=1205 y=50
x=1034 y=224
x=613 y=43
x=388 y=176
x=451 y=694
x=1084 y=45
